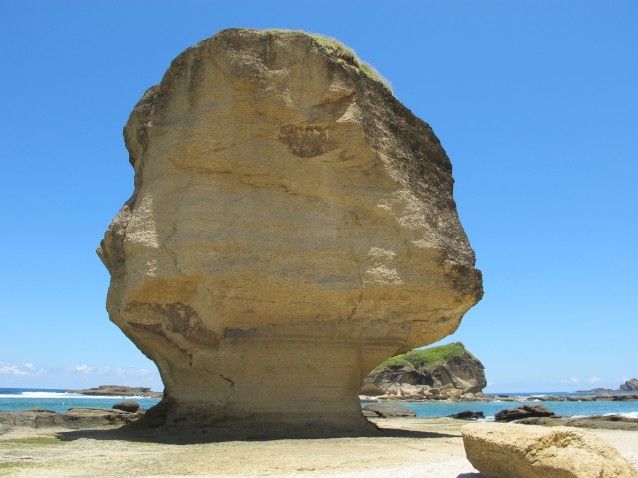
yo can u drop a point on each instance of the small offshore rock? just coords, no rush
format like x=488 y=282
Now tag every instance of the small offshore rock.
x=467 y=415
x=127 y=406
x=524 y=451
x=525 y=411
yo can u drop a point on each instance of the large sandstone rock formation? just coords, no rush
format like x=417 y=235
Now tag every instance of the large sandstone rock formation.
x=528 y=451
x=292 y=225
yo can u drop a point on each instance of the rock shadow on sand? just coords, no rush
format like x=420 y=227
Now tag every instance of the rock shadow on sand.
x=230 y=432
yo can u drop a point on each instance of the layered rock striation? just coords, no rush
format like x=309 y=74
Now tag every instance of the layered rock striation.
x=292 y=225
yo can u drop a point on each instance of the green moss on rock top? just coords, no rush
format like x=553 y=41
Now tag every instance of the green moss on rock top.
x=335 y=48
x=427 y=357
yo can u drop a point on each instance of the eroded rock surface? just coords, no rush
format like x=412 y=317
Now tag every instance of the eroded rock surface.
x=630 y=385
x=75 y=418
x=292 y=225
x=528 y=451
x=443 y=372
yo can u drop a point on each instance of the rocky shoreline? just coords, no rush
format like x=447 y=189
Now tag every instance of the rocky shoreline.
x=600 y=422
x=484 y=397
x=79 y=418
x=400 y=447
x=74 y=418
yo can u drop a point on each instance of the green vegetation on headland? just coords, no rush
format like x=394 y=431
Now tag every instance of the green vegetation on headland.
x=427 y=357
x=343 y=53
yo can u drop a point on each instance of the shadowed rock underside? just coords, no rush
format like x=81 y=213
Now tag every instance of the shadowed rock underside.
x=292 y=225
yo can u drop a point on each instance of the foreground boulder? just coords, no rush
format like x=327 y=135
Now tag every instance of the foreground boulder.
x=525 y=411
x=527 y=451
x=445 y=371
x=292 y=225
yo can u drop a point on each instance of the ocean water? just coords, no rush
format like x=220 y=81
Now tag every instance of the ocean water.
x=489 y=409
x=16 y=399
x=57 y=400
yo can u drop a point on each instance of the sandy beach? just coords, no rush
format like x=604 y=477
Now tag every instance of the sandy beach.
x=408 y=448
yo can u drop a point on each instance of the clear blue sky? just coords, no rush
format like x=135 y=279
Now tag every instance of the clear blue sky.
x=536 y=104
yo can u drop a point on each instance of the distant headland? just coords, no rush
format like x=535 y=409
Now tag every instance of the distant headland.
x=119 y=390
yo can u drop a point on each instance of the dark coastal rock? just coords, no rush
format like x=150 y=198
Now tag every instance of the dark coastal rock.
x=606 y=422
x=624 y=398
x=630 y=385
x=127 y=406
x=443 y=372
x=74 y=418
x=119 y=390
x=371 y=390
x=467 y=415
x=525 y=411
x=388 y=410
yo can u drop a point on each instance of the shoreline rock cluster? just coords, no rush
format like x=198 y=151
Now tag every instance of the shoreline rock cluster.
x=127 y=412
x=73 y=418
x=606 y=422
x=486 y=397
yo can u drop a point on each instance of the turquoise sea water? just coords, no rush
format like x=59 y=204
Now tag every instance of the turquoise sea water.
x=489 y=409
x=16 y=399
x=57 y=400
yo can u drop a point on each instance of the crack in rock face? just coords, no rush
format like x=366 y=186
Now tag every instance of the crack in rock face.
x=291 y=226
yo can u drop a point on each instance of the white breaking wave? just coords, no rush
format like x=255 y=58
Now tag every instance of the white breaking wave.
x=610 y=414
x=59 y=395
x=489 y=418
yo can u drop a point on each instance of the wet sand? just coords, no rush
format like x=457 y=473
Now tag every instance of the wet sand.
x=407 y=448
